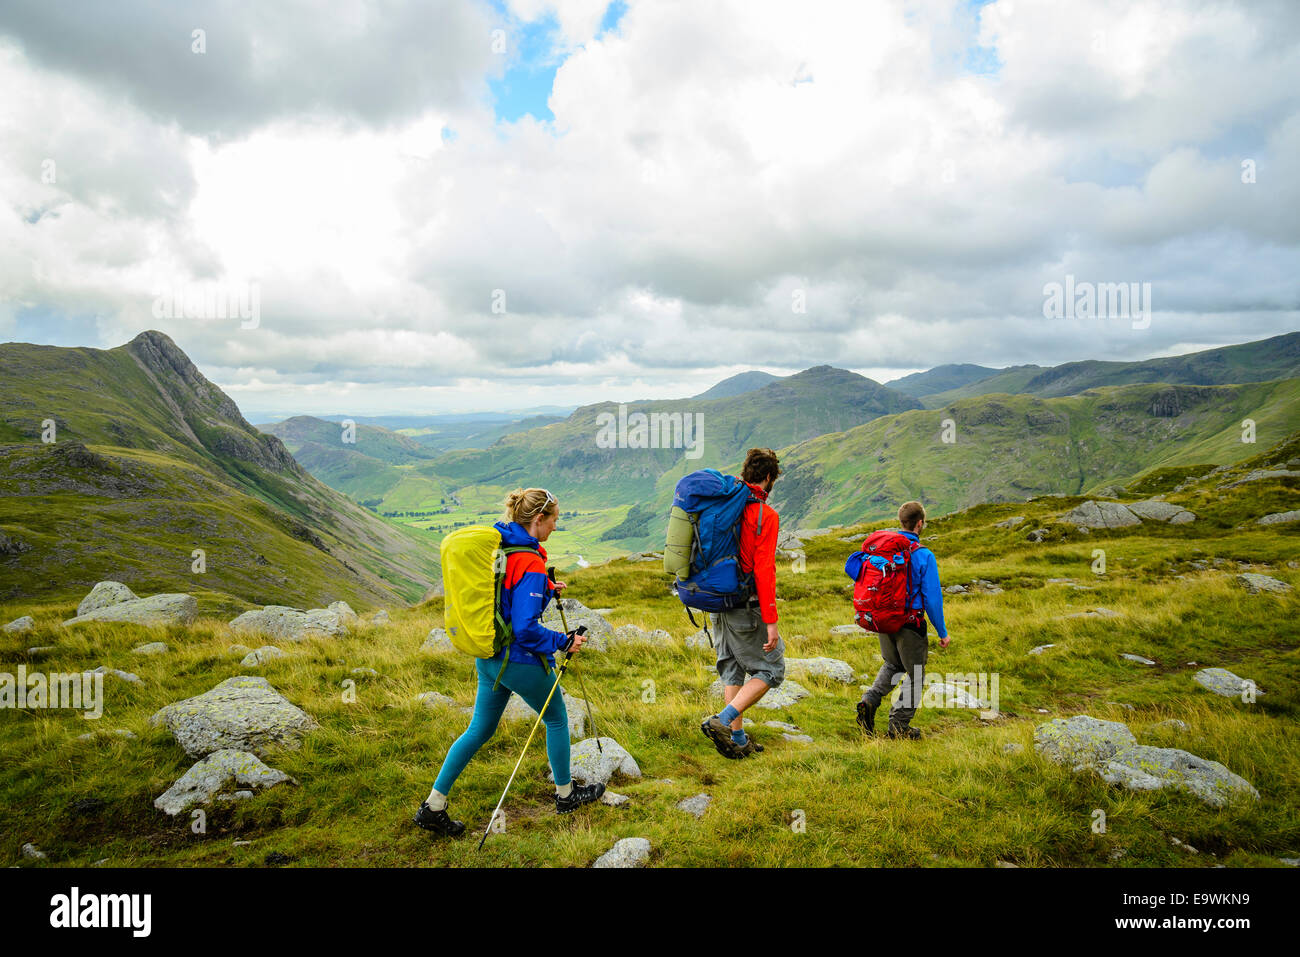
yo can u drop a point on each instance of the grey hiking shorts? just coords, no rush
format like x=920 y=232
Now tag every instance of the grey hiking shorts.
x=738 y=637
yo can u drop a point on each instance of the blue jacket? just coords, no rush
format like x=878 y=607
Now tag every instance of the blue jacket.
x=923 y=588
x=525 y=593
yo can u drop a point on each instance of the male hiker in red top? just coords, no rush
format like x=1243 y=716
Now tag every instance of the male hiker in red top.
x=746 y=638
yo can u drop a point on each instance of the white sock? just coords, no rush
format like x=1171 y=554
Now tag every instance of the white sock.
x=437 y=800
x=565 y=791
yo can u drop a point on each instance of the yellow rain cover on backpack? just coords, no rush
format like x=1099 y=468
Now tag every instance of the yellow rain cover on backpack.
x=472 y=563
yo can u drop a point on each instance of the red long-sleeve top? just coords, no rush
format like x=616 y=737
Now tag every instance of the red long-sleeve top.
x=758 y=550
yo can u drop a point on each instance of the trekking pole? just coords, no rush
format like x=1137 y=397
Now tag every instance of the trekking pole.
x=582 y=685
x=559 y=673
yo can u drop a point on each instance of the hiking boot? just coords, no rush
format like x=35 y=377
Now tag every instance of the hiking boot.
x=904 y=731
x=720 y=735
x=749 y=748
x=439 y=822
x=580 y=795
x=867 y=718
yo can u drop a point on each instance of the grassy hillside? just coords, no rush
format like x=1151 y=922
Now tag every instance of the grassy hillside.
x=1009 y=448
x=1275 y=358
x=153 y=461
x=368 y=440
x=940 y=379
x=971 y=793
x=739 y=384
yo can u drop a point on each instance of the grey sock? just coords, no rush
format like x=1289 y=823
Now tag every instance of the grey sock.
x=564 y=791
x=437 y=800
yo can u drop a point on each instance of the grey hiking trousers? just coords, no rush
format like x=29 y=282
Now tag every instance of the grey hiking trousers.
x=905 y=653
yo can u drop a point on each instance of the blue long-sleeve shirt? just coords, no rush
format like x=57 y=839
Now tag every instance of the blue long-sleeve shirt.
x=525 y=593
x=923 y=588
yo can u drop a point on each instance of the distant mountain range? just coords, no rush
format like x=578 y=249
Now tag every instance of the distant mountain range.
x=151 y=461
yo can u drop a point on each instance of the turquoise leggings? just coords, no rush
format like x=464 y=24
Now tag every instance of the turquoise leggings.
x=533 y=684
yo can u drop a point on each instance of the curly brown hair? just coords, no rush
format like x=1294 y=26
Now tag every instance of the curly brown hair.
x=760 y=465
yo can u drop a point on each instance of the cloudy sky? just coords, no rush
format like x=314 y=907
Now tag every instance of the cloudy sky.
x=471 y=204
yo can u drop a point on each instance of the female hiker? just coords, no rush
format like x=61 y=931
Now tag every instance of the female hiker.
x=525 y=592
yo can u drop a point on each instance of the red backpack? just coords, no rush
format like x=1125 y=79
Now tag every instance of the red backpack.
x=881 y=590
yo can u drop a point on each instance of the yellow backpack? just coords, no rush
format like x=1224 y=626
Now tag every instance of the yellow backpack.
x=473 y=569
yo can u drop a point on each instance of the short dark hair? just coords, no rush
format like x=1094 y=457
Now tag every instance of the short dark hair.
x=910 y=514
x=760 y=465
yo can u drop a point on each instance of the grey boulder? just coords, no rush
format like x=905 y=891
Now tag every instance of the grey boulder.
x=1143 y=768
x=244 y=713
x=1101 y=515
x=261 y=656
x=19 y=625
x=1258 y=584
x=590 y=765
x=438 y=640
x=695 y=806
x=165 y=609
x=103 y=595
x=1222 y=682
x=517 y=709
x=1081 y=741
x=1159 y=511
x=831 y=668
x=629 y=852
x=292 y=624
x=200 y=783
x=150 y=648
x=1280 y=518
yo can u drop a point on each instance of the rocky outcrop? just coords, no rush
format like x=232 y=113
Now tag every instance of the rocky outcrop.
x=1101 y=515
x=165 y=609
x=243 y=713
x=1280 y=518
x=629 y=852
x=293 y=624
x=1143 y=768
x=596 y=766
x=261 y=656
x=1258 y=584
x=438 y=640
x=1223 y=682
x=635 y=634
x=200 y=784
x=105 y=594
x=20 y=625
x=1082 y=741
x=1159 y=511
x=830 y=668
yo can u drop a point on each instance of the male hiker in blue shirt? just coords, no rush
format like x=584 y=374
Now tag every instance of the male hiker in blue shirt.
x=905 y=651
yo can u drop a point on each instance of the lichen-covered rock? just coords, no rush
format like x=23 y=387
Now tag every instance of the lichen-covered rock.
x=438 y=640
x=207 y=777
x=1040 y=649
x=103 y=595
x=635 y=634
x=32 y=852
x=1223 y=682
x=797 y=738
x=1082 y=741
x=517 y=709
x=1143 y=768
x=629 y=852
x=166 y=609
x=575 y=614
x=345 y=613
x=244 y=713
x=150 y=648
x=614 y=800
x=1101 y=515
x=261 y=656
x=380 y=617
x=831 y=668
x=1280 y=518
x=1158 y=511
x=845 y=630
x=695 y=806
x=291 y=624
x=1011 y=522
x=1258 y=584
x=592 y=766
x=20 y=625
